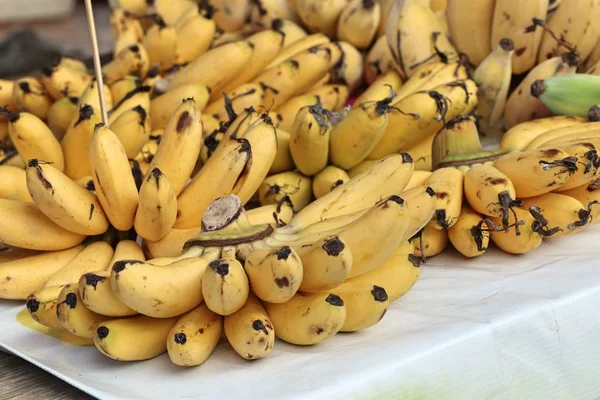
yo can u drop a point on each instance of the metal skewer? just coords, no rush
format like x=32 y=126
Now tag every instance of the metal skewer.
x=96 y=58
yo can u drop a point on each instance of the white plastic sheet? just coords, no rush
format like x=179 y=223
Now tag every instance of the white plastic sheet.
x=497 y=327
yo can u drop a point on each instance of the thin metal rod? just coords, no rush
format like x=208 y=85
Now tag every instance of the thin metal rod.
x=96 y=57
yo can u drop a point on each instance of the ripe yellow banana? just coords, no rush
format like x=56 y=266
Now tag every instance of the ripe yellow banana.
x=327 y=180
x=422 y=114
x=589 y=196
x=67 y=204
x=294 y=185
x=126 y=30
x=275 y=214
x=415 y=37
x=588 y=164
x=350 y=69
x=379 y=60
x=563 y=134
x=470 y=235
x=294 y=323
x=310 y=41
x=30 y=96
x=33 y=139
x=518 y=137
x=514 y=20
x=132 y=60
x=60 y=115
x=292 y=32
x=357 y=134
x=73 y=315
x=261 y=14
x=248 y=95
x=560 y=211
x=230 y=15
x=133 y=129
x=95 y=256
x=77 y=137
x=327 y=263
x=7 y=88
x=139 y=96
x=62 y=80
x=380 y=88
x=157 y=209
x=250 y=331
x=194 y=337
x=283 y=158
x=429 y=76
x=421 y=202
x=332 y=96
x=430 y=242
x=41 y=305
x=91 y=96
x=113 y=338
x=290 y=109
x=358 y=22
x=469 y=23
x=448 y=186
x=24 y=225
x=320 y=15
x=194 y=37
x=422 y=155
x=163 y=107
x=118 y=89
x=535 y=172
x=526 y=239
x=275 y=275
x=493 y=77
x=309 y=140
x=14 y=184
x=365 y=304
x=21 y=277
x=225 y=286
x=160 y=41
x=521 y=106
x=113 y=180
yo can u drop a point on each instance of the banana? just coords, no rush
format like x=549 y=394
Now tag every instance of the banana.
x=307 y=319
x=63 y=80
x=250 y=331
x=263 y=142
x=249 y=95
x=350 y=69
x=14 y=184
x=118 y=89
x=170 y=245
x=308 y=42
x=526 y=239
x=292 y=107
x=519 y=136
x=194 y=337
x=275 y=275
x=379 y=60
x=275 y=214
x=139 y=96
x=24 y=225
x=568 y=95
x=430 y=76
x=262 y=13
x=560 y=211
x=42 y=304
x=552 y=137
x=448 y=186
x=357 y=134
x=332 y=96
x=380 y=88
x=133 y=130
x=327 y=180
x=225 y=286
x=422 y=155
x=358 y=22
x=74 y=316
x=469 y=23
x=283 y=158
x=30 y=96
x=163 y=107
x=588 y=164
x=521 y=106
x=418 y=178
x=91 y=95
x=292 y=32
x=94 y=257
x=130 y=61
x=396 y=275
x=415 y=37
x=230 y=15
x=215 y=68
x=422 y=202
x=157 y=209
x=225 y=172
x=60 y=115
x=77 y=137
x=21 y=277
x=160 y=41
x=297 y=74
x=33 y=139
x=292 y=184
x=365 y=304
x=535 y=172
x=113 y=338
x=320 y=15
x=470 y=235
x=422 y=114
x=194 y=37
x=67 y=204
x=113 y=180
x=430 y=242
x=126 y=30
x=493 y=77
x=490 y=192
x=361 y=167
x=8 y=254
x=589 y=196
x=513 y=20
x=309 y=140
x=574 y=22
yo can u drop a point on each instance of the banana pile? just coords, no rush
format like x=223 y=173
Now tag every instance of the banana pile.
x=281 y=169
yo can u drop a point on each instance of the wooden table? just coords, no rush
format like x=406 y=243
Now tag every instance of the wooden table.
x=21 y=380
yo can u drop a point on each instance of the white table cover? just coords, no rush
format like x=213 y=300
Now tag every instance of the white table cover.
x=497 y=327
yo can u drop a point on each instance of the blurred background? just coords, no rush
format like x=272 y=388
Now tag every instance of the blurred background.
x=34 y=32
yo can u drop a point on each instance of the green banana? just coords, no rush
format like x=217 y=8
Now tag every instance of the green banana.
x=571 y=94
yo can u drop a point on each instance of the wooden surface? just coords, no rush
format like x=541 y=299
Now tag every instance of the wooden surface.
x=20 y=380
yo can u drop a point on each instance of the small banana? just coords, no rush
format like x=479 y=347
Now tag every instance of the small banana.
x=560 y=135
x=194 y=36
x=560 y=211
x=157 y=209
x=308 y=42
x=79 y=136
x=292 y=32
x=130 y=61
x=469 y=23
x=588 y=165
x=523 y=240
x=42 y=304
x=327 y=180
x=309 y=140
x=63 y=79
x=225 y=286
x=350 y=69
x=30 y=96
x=61 y=114
x=430 y=76
x=358 y=22
x=283 y=160
x=447 y=184
x=113 y=338
x=320 y=15
x=379 y=60
x=470 y=235
x=365 y=304
x=327 y=263
x=307 y=319
x=275 y=214
x=430 y=242
x=133 y=130
x=163 y=107
x=14 y=184
x=589 y=196
x=380 y=88
x=291 y=184
x=249 y=95
x=290 y=109
x=422 y=202
x=73 y=315
x=250 y=331
x=91 y=95
x=139 y=96
x=332 y=96
x=230 y=15
x=422 y=154
x=160 y=42
x=126 y=30
x=519 y=136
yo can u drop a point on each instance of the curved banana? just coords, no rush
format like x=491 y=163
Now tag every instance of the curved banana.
x=194 y=337
x=61 y=114
x=30 y=96
x=292 y=32
x=7 y=87
x=225 y=286
x=327 y=263
x=358 y=22
x=447 y=184
x=327 y=180
x=41 y=305
x=14 y=184
x=21 y=277
x=518 y=137
x=292 y=184
x=113 y=338
x=157 y=209
x=350 y=69
x=380 y=88
x=139 y=96
x=94 y=257
x=309 y=140
x=470 y=235
x=73 y=315
x=163 y=107
x=67 y=204
x=552 y=137
x=418 y=178
x=261 y=14
x=126 y=30
x=365 y=304
x=294 y=323
x=113 y=180
x=308 y=42
x=422 y=202
x=119 y=89
x=275 y=214
x=470 y=27
x=320 y=15
x=430 y=76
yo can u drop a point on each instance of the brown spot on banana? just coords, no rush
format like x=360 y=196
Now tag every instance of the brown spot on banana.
x=184 y=121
